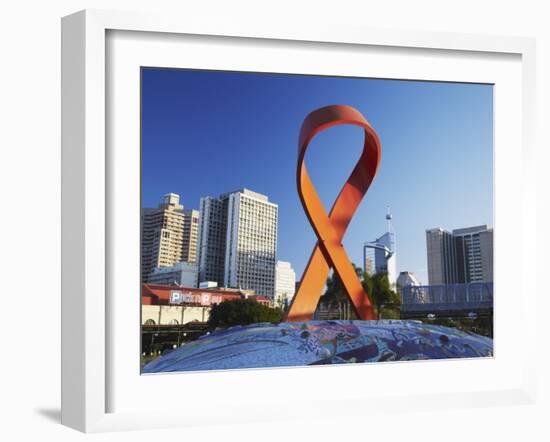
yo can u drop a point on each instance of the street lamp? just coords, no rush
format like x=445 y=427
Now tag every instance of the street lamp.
x=153 y=336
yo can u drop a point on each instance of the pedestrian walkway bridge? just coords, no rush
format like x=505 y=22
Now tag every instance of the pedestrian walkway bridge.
x=448 y=300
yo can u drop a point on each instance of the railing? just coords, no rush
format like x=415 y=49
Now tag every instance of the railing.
x=474 y=295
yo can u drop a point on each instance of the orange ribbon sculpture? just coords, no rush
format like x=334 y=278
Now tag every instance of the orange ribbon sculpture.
x=330 y=229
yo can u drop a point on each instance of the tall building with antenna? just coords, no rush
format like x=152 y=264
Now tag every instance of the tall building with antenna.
x=379 y=255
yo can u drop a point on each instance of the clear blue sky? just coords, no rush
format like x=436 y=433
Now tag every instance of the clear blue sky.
x=206 y=133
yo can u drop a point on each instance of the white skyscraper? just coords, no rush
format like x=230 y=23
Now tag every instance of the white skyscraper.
x=238 y=241
x=380 y=256
x=285 y=283
x=385 y=261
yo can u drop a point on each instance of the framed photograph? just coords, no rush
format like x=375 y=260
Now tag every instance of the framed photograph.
x=299 y=219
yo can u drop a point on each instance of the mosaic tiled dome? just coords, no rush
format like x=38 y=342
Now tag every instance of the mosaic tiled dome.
x=321 y=342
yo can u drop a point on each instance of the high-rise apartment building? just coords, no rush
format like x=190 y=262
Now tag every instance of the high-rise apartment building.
x=285 y=283
x=212 y=233
x=460 y=256
x=441 y=257
x=474 y=252
x=168 y=235
x=190 y=235
x=238 y=241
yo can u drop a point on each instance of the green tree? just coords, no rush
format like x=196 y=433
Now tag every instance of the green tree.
x=385 y=300
x=242 y=312
x=381 y=295
x=335 y=291
x=336 y=298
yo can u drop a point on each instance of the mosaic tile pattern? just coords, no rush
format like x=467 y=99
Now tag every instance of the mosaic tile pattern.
x=321 y=342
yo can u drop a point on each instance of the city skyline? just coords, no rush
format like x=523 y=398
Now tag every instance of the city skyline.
x=243 y=143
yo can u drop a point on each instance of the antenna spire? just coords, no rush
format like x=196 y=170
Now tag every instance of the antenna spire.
x=389 y=218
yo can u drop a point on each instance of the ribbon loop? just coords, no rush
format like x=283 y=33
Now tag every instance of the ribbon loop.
x=330 y=229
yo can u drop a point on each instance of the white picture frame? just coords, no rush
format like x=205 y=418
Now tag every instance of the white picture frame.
x=87 y=210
